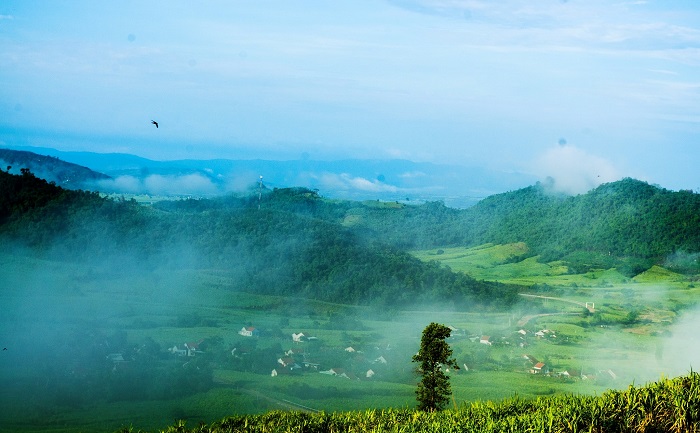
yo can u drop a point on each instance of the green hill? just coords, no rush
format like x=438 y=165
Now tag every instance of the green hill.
x=627 y=224
x=283 y=247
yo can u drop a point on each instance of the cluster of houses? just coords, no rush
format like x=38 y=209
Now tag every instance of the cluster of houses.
x=297 y=359
x=187 y=349
x=535 y=366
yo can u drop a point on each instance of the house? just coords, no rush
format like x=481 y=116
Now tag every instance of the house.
x=286 y=362
x=339 y=372
x=280 y=372
x=193 y=348
x=607 y=373
x=545 y=333
x=294 y=352
x=380 y=360
x=349 y=349
x=455 y=332
x=570 y=373
x=178 y=350
x=369 y=374
x=531 y=358
x=115 y=358
x=238 y=352
x=485 y=339
x=249 y=331
x=187 y=349
x=539 y=368
x=312 y=365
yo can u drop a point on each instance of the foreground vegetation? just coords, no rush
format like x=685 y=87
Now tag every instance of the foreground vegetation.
x=669 y=405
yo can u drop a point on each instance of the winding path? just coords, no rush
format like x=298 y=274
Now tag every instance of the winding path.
x=587 y=305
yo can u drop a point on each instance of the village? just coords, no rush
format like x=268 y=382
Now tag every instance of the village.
x=303 y=353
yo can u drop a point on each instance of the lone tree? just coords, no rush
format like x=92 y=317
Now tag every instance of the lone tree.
x=434 y=391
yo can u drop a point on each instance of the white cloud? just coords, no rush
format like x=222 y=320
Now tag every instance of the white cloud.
x=346 y=182
x=574 y=170
x=158 y=184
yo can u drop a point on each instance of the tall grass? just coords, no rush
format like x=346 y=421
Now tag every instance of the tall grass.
x=669 y=405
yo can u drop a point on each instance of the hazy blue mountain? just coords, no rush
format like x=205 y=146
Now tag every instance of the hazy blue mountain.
x=355 y=179
x=50 y=168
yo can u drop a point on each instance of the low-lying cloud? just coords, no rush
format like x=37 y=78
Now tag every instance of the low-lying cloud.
x=346 y=182
x=156 y=184
x=573 y=170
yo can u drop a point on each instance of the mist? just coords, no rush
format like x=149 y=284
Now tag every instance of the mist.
x=573 y=170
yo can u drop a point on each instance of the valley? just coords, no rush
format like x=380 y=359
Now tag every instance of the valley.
x=636 y=333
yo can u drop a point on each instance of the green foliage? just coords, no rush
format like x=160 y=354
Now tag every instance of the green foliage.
x=669 y=405
x=627 y=224
x=433 y=391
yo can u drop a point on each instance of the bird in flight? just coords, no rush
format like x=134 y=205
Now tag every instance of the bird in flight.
x=154 y=122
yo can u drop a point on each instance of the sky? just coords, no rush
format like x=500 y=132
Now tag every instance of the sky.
x=583 y=91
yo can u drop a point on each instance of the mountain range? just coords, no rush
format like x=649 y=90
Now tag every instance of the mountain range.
x=353 y=179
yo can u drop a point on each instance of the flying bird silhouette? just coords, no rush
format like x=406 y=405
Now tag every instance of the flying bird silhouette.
x=154 y=122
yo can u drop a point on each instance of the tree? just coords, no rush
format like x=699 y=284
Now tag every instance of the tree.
x=434 y=391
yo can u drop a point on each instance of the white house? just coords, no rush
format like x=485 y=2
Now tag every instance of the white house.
x=116 y=357
x=177 y=350
x=380 y=360
x=248 y=331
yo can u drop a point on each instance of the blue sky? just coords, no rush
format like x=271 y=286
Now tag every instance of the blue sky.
x=583 y=91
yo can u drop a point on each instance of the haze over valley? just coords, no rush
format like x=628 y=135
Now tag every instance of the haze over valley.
x=174 y=305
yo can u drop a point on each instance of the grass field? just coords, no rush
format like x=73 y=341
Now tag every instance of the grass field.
x=51 y=308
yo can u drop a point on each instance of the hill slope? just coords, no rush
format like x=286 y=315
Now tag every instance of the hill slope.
x=279 y=248
x=669 y=405
x=628 y=223
x=52 y=169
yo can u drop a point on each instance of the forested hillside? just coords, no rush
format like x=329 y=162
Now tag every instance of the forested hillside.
x=629 y=224
x=282 y=246
x=292 y=241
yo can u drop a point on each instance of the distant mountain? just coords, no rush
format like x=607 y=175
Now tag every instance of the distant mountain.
x=50 y=168
x=388 y=180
